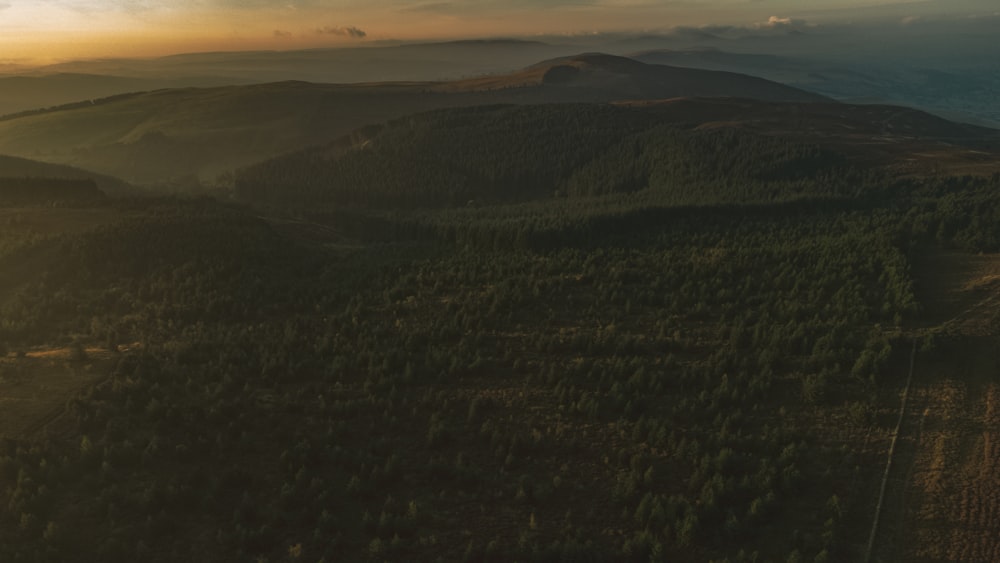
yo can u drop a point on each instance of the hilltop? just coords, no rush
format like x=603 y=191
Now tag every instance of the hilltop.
x=594 y=77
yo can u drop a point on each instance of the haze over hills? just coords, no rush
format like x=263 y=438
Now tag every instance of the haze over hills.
x=31 y=92
x=951 y=92
x=33 y=88
x=183 y=138
x=899 y=64
x=376 y=63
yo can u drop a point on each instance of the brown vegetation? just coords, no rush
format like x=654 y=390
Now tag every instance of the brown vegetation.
x=948 y=505
x=36 y=384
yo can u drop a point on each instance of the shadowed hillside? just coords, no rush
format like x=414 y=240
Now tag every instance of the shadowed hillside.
x=957 y=93
x=908 y=140
x=682 y=150
x=28 y=191
x=13 y=167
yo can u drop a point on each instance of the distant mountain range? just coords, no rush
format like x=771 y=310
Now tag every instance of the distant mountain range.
x=22 y=93
x=33 y=88
x=186 y=137
x=961 y=83
x=956 y=94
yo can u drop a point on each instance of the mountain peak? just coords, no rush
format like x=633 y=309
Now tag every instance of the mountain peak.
x=594 y=60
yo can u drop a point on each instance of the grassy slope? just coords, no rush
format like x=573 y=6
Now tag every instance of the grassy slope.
x=949 y=455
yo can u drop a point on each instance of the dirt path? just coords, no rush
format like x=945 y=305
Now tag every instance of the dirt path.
x=942 y=490
x=941 y=497
x=885 y=531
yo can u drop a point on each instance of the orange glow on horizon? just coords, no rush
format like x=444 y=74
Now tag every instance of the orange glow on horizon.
x=36 y=32
x=45 y=33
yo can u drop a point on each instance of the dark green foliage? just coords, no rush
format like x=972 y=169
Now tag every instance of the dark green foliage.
x=483 y=155
x=259 y=368
x=596 y=377
x=34 y=191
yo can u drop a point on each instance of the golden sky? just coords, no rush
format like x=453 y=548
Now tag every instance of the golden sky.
x=34 y=31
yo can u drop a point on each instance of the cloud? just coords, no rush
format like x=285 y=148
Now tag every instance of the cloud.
x=781 y=25
x=349 y=31
x=775 y=22
x=434 y=7
x=775 y=26
x=282 y=33
x=910 y=20
x=260 y=4
x=125 y=6
x=141 y=6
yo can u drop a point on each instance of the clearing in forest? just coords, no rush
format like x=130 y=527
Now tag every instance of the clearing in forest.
x=953 y=497
x=35 y=387
x=959 y=289
x=951 y=510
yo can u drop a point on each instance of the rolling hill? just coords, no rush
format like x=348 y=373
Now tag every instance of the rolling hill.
x=26 y=89
x=904 y=139
x=189 y=137
x=600 y=77
x=953 y=93
x=682 y=150
x=40 y=90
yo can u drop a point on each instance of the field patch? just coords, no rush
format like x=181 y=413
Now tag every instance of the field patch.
x=954 y=493
x=960 y=289
x=947 y=501
x=35 y=387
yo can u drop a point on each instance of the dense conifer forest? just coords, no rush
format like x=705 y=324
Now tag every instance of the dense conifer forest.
x=511 y=153
x=536 y=334
x=33 y=191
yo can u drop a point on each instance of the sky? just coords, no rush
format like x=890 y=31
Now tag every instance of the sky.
x=45 y=31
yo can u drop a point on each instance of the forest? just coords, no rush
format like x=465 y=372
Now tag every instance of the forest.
x=32 y=191
x=504 y=154
x=541 y=333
